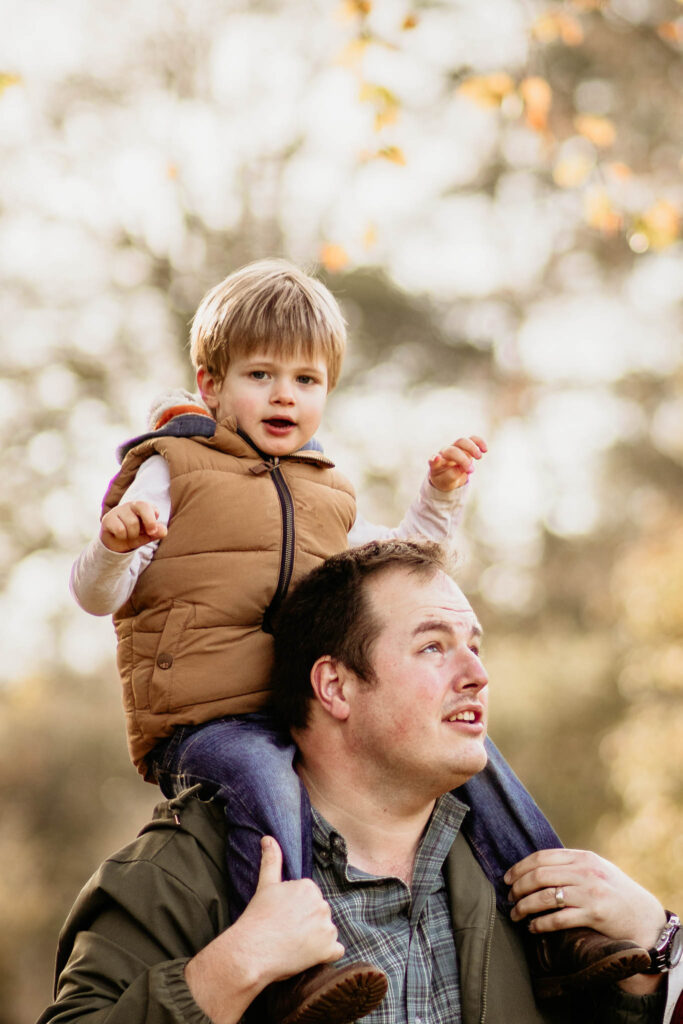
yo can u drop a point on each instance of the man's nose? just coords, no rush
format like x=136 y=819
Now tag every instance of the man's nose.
x=470 y=673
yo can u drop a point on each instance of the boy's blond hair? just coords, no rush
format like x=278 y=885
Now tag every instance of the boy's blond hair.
x=272 y=305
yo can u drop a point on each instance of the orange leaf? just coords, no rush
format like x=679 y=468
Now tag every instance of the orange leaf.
x=572 y=170
x=370 y=236
x=600 y=214
x=671 y=31
x=393 y=154
x=619 y=170
x=487 y=90
x=557 y=25
x=660 y=224
x=8 y=78
x=600 y=130
x=410 y=21
x=538 y=97
x=334 y=257
x=354 y=51
x=355 y=9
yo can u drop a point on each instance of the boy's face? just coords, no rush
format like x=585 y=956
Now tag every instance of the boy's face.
x=278 y=402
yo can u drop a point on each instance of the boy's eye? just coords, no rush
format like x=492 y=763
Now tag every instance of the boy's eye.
x=305 y=378
x=258 y=374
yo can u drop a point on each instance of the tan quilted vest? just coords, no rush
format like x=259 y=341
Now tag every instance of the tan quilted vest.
x=190 y=643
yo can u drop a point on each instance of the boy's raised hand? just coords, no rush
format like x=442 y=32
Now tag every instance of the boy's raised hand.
x=451 y=467
x=130 y=526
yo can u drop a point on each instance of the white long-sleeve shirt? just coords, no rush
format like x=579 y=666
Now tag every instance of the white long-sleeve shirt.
x=103 y=580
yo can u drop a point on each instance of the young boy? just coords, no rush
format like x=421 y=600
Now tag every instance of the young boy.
x=214 y=512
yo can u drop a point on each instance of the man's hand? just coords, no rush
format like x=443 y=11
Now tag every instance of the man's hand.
x=452 y=466
x=286 y=928
x=130 y=526
x=596 y=895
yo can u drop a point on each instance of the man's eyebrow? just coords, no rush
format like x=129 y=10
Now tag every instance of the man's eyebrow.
x=445 y=626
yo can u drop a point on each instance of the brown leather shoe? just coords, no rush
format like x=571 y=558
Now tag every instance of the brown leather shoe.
x=333 y=995
x=576 y=958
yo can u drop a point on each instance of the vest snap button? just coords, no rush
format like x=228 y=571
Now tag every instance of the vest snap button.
x=165 y=660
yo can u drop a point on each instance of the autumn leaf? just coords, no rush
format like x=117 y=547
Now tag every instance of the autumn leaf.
x=352 y=9
x=538 y=97
x=572 y=170
x=601 y=214
x=354 y=51
x=619 y=171
x=557 y=25
x=334 y=257
x=394 y=154
x=370 y=237
x=7 y=79
x=671 y=31
x=599 y=130
x=660 y=224
x=386 y=103
x=487 y=90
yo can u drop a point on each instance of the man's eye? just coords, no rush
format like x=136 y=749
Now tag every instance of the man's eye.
x=475 y=649
x=433 y=647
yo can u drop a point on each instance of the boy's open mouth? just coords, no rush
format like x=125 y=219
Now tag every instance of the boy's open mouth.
x=279 y=422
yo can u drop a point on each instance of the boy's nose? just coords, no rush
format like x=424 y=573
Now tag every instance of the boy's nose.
x=282 y=393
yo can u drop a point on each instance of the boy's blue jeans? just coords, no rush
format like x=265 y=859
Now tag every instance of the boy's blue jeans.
x=248 y=765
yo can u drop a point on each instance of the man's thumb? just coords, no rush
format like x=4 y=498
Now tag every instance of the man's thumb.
x=271 y=862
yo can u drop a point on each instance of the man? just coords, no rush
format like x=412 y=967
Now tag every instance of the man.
x=379 y=675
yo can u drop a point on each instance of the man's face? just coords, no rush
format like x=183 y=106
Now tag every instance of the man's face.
x=422 y=724
x=278 y=402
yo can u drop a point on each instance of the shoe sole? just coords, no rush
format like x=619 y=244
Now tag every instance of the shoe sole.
x=613 y=968
x=347 y=998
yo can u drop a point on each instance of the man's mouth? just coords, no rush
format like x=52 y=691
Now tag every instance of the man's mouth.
x=464 y=716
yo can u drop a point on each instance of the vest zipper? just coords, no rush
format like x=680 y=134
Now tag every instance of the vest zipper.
x=288 y=539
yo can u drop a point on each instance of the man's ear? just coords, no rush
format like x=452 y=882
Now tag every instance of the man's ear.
x=328 y=679
x=208 y=386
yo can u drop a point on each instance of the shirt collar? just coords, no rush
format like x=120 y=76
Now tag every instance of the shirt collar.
x=330 y=850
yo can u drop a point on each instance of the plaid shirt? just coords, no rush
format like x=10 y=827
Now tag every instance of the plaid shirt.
x=404 y=930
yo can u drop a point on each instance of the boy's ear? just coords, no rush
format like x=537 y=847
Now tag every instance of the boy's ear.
x=208 y=386
x=329 y=679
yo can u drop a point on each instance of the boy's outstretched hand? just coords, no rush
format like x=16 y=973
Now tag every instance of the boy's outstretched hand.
x=451 y=467
x=130 y=525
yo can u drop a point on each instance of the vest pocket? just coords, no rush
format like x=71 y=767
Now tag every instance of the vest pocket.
x=167 y=653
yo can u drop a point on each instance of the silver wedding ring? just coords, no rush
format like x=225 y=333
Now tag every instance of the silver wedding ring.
x=559 y=896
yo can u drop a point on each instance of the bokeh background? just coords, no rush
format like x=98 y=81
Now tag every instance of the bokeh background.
x=493 y=192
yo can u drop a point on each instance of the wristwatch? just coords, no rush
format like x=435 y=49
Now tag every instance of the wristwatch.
x=668 y=949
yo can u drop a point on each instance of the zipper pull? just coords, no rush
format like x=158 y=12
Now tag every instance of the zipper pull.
x=267 y=466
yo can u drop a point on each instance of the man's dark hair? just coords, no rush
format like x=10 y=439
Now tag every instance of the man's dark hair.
x=328 y=613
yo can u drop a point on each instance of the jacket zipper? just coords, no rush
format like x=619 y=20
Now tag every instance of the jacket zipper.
x=487 y=960
x=288 y=539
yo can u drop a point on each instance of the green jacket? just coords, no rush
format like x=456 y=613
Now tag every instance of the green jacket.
x=153 y=905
